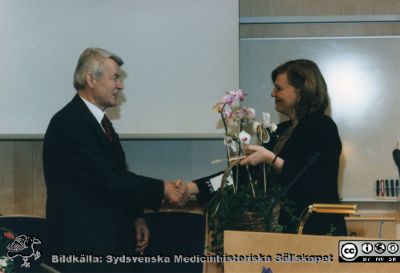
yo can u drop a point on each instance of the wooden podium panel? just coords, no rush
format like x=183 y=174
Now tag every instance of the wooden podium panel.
x=277 y=245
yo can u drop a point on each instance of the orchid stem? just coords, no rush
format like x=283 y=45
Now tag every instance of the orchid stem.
x=265 y=179
x=252 y=189
x=251 y=181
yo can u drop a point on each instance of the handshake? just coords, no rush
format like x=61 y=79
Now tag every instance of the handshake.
x=178 y=192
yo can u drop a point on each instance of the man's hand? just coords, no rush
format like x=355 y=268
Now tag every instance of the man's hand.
x=176 y=192
x=142 y=234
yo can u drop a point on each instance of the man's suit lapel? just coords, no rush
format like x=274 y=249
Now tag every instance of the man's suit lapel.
x=112 y=150
x=88 y=117
x=116 y=144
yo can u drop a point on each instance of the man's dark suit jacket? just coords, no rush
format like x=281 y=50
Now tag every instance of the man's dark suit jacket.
x=92 y=199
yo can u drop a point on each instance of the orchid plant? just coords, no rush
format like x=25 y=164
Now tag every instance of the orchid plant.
x=233 y=118
x=240 y=122
x=238 y=199
x=240 y=125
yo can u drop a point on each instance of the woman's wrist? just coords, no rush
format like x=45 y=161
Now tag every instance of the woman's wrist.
x=278 y=164
x=274 y=159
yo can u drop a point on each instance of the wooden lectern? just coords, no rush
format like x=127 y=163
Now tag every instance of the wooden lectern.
x=279 y=246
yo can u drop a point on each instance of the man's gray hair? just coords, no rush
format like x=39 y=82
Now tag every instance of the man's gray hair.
x=92 y=59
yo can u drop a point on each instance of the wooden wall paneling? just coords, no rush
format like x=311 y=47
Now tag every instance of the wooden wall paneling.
x=23 y=186
x=250 y=8
x=39 y=187
x=319 y=30
x=317 y=7
x=6 y=177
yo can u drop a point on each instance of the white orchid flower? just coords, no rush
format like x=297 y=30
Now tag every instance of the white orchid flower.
x=228 y=141
x=244 y=137
x=267 y=122
x=273 y=127
x=250 y=113
x=234 y=147
x=228 y=112
x=233 y=97
x=266 y=119
x=239 y=95
x=228 y=99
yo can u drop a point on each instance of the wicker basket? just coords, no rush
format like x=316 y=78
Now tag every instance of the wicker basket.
x=252 y=221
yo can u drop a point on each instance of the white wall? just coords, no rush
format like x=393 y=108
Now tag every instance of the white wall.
x=180 y=56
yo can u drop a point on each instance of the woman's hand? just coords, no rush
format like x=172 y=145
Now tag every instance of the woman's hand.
x=256 y=155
